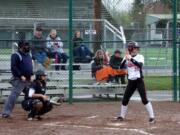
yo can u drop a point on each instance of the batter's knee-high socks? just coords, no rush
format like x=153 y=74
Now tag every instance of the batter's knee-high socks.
x=149 y=108
x=123 y=111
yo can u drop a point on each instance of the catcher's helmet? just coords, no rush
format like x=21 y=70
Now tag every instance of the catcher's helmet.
x=132 y=45
x=40 y=73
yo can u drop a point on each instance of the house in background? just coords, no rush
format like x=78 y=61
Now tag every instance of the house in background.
x=158 y=21
x=159 y=27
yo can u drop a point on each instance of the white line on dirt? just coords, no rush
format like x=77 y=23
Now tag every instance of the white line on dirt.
x=92 y=117
x=116 y=124
x=59 y=124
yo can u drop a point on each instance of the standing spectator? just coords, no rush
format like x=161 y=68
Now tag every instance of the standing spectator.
x=22 y=71
x=81 y=52
x=39 y=50
x=115 y=63
x=55 y=46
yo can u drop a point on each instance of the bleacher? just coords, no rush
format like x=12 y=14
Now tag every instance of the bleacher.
x=54 y=9
x=58 y=83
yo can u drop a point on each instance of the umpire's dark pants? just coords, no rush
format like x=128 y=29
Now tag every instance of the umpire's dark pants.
x=131 y=87
x=18 y=87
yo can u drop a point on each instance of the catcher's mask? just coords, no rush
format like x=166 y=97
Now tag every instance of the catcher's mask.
x=132 y=45
x=39 y=74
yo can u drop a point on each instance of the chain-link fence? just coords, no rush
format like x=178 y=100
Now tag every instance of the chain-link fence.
x=101 y=26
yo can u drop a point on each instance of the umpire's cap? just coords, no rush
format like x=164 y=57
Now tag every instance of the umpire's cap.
x=22 y=43
x=133 y=44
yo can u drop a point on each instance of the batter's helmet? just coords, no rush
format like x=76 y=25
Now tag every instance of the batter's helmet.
x=40 y=73
x=131 y=45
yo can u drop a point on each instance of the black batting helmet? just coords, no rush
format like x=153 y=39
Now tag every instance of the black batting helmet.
x=40 y=73
x=131 y=45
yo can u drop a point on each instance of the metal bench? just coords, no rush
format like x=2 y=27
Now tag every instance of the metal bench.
x=58 y=83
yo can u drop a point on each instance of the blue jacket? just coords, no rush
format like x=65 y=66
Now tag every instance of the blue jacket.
x=21 y=65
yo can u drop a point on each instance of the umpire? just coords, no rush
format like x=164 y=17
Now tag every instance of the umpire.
x=22 y=71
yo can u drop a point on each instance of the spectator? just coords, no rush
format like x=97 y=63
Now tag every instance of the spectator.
x=39 y=50
x=81 y=52
x=100 y=71
x=55 y=46
x=22 y=71
x=106 y=57
x=115 y=62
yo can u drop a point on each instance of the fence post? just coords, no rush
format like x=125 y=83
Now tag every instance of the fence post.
x=174 y=51
x=179 y=67
x=105 y=34
x=70 y=54
x=114 y=39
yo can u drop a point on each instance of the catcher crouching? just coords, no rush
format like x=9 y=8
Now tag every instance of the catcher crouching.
x=35 y=101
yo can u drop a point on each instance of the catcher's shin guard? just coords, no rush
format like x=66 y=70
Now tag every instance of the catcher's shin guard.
x=37 y=105
x=47 y=107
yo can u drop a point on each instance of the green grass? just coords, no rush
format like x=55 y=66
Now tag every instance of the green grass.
x=158 y=82
x=155 y=56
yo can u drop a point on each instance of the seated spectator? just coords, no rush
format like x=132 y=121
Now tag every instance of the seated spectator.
x=115 y=62
x=82 y=53
x=39 y=50
x=55 y=47
x=101 y=72
x=106 y=57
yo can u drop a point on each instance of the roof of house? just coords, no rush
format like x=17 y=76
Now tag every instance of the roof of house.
x=153 y=18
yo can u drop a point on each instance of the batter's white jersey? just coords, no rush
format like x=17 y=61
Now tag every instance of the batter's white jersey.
x=133 y=70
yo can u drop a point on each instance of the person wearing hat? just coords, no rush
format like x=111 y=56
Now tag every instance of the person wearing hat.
x=35 y=100
x=22 y=72
x=38 y=48
x=115 y=62
x=134 y=63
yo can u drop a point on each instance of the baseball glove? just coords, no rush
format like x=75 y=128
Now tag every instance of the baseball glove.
x=56 y=100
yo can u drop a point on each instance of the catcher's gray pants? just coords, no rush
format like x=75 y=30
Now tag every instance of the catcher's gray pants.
x=18 y=87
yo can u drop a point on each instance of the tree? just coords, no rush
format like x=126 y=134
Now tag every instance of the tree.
x=97 y=24
x=123 y=18
x=138 y=13
x=111 y=5
x=169 y=4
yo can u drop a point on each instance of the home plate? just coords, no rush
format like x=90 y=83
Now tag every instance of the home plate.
x=116 y=124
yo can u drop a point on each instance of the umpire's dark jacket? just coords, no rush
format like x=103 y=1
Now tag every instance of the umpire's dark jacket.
x=21 y=65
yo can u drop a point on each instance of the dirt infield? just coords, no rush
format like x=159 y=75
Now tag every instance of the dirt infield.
x=96 y=119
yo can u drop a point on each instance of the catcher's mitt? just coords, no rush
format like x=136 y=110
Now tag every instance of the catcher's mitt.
x=56 y=100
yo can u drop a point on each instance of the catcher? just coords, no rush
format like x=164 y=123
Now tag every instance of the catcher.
x=134 y=62
x=35 y=101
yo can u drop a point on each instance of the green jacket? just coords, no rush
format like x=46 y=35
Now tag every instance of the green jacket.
x=115 y=62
